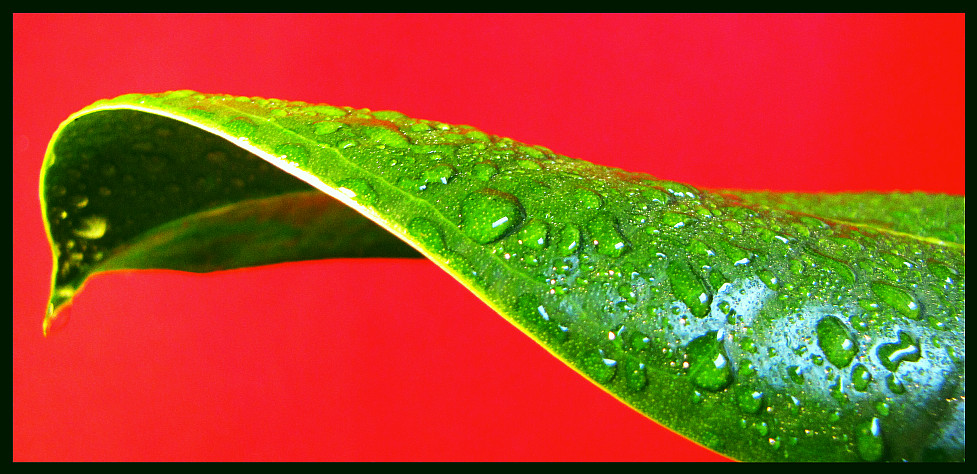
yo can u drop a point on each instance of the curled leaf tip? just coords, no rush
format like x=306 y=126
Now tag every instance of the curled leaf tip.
x=764 y=326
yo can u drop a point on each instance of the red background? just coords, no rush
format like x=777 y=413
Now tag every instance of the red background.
x=394 y=360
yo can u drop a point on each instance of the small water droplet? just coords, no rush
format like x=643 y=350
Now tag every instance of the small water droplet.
x=569 y=241
x=241 y=127
x=768 y=278
x=794 y=374
x=386 y=137
x=675 y=220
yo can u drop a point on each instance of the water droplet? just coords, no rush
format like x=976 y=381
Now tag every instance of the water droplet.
x=241 y=127
x=587 y=198
x=831 y=266
x=439 y=174
x=894 y=384
x=898 y=298
x=292 y=152
x=484 y=170
x=836 y=341
x=768 y=278
x=676 y=220
x=79 y=201
x=534 y=234
x=92 y=227
x=358 y=189
x=593 y=363
x=385 y=136
x=860 y=377
x=656 y=195
x=709 y=365
x=488 y=215
x=733 y=227
x=750 y=401
x=894 y=353
x=688 y=287
x=634 y=374
x=427 y=233
x=869 y=441
x=325 y=128
x=607 y=239
x=794 y=374
x=569 y=241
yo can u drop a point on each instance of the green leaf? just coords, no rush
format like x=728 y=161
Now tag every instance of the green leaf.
x=764 y=326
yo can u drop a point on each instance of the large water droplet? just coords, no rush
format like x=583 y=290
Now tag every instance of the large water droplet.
x=358 y=189
x=534 y=234
x=427 y=233
x=487 y=215
x=439 y=174
x=750 y=401
x=593 y=363
x=484 y=170
x=688 y=287
x=325 y=128
x=607 y=239
x=869 y=441
x=292 y=152
x=92 y=227
x=836 y=341
x=241 y=127
x=898 y=298
x=586 y=198
x=634 y=374
x=676 y=220
x=860 y=377
x=385 y=136
x=894 y=353
x=709 y=365
x=569 y=241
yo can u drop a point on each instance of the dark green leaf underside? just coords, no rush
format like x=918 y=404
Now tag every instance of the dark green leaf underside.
x=764 y=326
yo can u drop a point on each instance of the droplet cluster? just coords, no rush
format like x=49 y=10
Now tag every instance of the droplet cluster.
x=741 y=320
